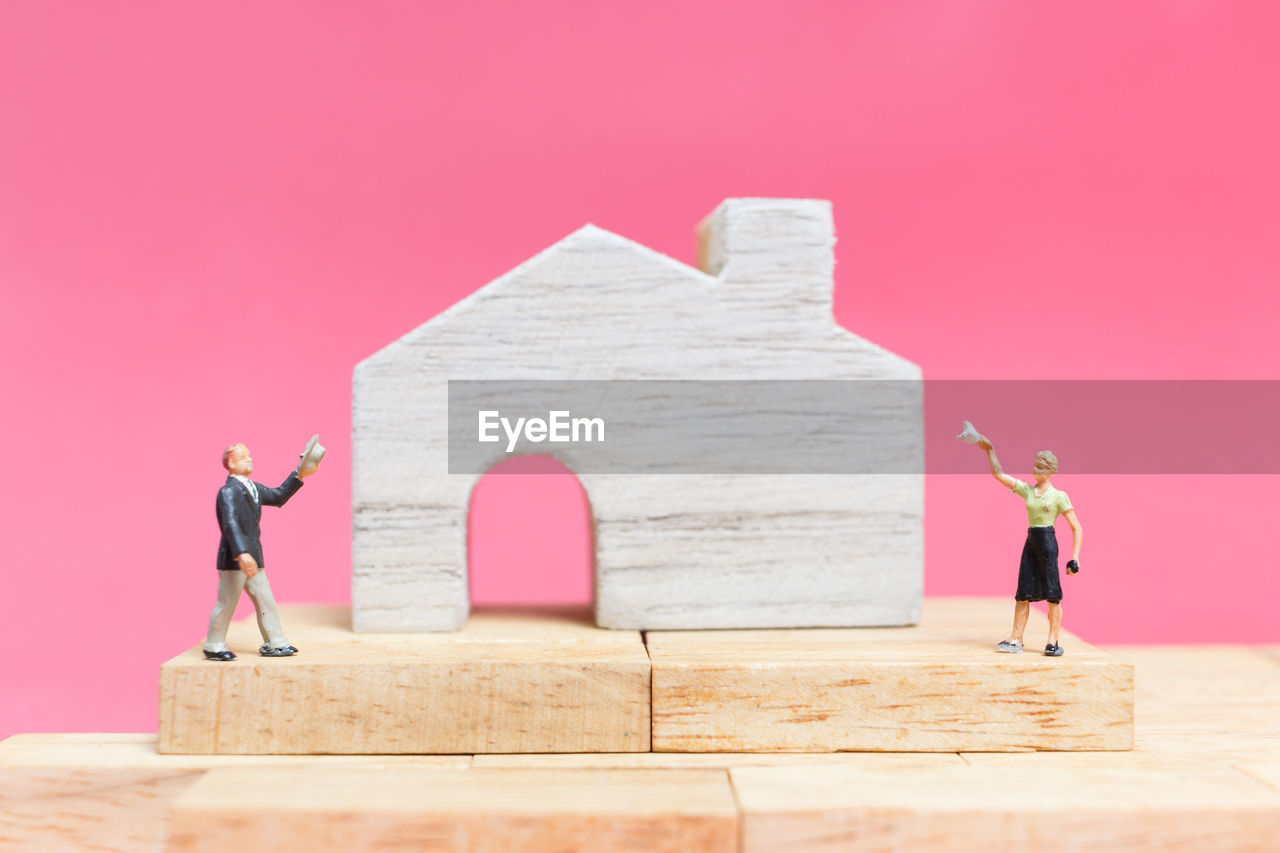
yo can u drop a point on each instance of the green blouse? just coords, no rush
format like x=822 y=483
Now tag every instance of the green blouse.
x=1042 y=510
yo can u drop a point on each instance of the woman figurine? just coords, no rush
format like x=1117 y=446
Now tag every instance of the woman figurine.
x=1038 y=574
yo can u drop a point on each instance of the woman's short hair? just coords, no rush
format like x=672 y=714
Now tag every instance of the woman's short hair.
x=1048 y=459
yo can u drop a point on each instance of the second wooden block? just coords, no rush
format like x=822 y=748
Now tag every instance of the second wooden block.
x=937 y=686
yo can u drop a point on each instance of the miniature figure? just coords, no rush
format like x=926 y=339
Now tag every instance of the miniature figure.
x=240 y=562
x=1038 y=574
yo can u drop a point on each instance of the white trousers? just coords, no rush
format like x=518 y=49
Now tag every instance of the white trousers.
x=229 y=586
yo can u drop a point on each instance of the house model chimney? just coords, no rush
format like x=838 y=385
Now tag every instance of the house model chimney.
x=774 y=256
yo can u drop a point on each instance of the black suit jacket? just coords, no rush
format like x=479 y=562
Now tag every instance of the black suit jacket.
x=239 y=517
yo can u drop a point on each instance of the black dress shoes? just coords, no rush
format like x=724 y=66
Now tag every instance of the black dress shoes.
x=268 y=652
x=223 y=655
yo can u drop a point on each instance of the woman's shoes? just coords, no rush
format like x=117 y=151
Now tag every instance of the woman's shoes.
x=1053 y=651
x=1013 y=647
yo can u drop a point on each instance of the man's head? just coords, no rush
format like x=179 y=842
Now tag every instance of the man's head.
x=236 y=460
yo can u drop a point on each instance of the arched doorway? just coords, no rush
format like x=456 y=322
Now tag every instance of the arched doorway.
x=529 y=536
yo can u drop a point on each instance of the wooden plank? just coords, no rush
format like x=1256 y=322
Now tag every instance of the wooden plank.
x=719 y=760
x=476 y=810
x=511 y=681
x=87 y=751
x=1197 y=711
x=112 y=792
x=1201 y=713
x=1195 y=703
x=1191 y=677
x=938 y=686
x=1004 y=805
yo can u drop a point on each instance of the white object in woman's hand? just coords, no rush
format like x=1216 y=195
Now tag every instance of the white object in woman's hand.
x=970 y=435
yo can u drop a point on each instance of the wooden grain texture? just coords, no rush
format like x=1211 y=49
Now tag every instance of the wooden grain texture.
x=1196 y=700
x=939 y=686
x=674 y=551
x=112 y=792
x=1204 y=775
x=906 y=761
x=1004 y=805
x=1268 y=773
x=511 y=681
x=683 y=811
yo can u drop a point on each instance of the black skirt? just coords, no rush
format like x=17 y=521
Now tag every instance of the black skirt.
x=1038 y=574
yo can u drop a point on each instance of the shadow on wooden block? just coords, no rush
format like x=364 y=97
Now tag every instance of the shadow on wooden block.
x=510 y=681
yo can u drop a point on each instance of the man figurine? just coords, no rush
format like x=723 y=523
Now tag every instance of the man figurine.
x=240 y=563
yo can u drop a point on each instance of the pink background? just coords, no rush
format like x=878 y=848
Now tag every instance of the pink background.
x=209 y=212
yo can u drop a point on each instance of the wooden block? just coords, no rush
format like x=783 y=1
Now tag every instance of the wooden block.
x=1178 y=678
x=679 y=551
x=1196 y=709
x=90 y=751
x=1198 y=712
x=939 y=686
x=476 y=810
x=1202 y=715
x=113 y=791
x=1198 y=704
x=1003 y=805
x=511 y=681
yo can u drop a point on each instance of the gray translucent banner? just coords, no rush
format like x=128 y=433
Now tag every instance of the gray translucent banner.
x=866 y=426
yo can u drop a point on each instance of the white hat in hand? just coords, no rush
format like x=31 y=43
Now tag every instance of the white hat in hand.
x=311 y=456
